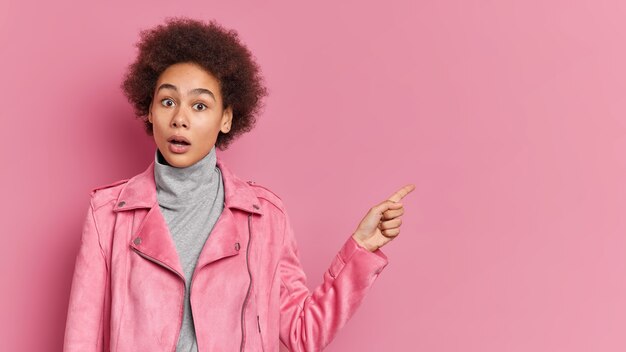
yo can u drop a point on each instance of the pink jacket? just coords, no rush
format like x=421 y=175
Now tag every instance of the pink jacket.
x=248 y=290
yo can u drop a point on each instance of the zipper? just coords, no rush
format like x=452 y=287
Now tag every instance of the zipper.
x=245 y=301
x=182 y=310
x=191 y=313
x=260 y=334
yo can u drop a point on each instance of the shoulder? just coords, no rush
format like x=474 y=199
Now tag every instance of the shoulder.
x=105 y=193
x=263 y=192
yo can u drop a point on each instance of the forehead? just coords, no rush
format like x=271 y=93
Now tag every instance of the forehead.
x=188 y=76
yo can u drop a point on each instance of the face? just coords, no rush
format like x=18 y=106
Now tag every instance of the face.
x=187 y=104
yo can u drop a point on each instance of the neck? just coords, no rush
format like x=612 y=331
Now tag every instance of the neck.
x=185 y=185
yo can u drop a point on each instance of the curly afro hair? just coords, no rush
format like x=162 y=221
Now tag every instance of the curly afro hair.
x=217 y=50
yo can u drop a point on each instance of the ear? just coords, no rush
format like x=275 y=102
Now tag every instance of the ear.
x=150 y=113
x=227 y=119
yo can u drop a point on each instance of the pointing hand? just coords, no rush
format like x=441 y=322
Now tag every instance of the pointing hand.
x=382 y=223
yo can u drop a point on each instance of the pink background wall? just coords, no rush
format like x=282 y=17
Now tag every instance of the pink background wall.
x=508 y=116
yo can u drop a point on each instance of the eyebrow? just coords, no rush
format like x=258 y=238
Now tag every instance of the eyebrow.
x=195 y=91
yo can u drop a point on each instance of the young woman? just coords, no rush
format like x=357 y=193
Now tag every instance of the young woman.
x=186 y=256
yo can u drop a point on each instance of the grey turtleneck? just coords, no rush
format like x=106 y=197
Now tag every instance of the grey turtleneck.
x=191 y=199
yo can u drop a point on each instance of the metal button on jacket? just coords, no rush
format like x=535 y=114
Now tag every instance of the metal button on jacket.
x=121 y=204
x=237 y=246
x=137 y=241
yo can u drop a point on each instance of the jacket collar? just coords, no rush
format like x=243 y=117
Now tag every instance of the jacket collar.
x=140 y=191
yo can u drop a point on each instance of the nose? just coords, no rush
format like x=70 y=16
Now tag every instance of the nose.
x=180 y=119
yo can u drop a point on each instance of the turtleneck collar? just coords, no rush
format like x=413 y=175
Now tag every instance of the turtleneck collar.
x=185 y=185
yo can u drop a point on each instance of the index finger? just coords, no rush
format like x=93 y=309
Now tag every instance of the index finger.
x=396 y=197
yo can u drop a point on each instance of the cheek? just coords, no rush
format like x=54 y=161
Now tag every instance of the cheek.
x=210 y=128
x=205 y=134
x=157 y=131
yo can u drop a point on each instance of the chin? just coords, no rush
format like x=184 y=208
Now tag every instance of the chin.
x=173 y=159
x=179 y=160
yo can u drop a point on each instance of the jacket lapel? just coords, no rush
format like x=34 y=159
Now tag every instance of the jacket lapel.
x=226 y=238
x=223 y=241
x=153 y=238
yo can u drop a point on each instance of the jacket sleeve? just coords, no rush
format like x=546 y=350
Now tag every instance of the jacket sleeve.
x=84 y=325
x=310 y=320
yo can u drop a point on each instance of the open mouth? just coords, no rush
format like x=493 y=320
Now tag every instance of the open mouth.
x=179 y=140
x=178 y=147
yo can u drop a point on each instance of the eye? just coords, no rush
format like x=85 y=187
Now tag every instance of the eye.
x=199 y=106
x=167 y=102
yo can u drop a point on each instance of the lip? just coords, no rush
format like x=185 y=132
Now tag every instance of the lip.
x=178 y=137
x=178 y=148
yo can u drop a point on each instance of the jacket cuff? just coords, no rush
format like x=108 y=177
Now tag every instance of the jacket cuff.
x=366 y=261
